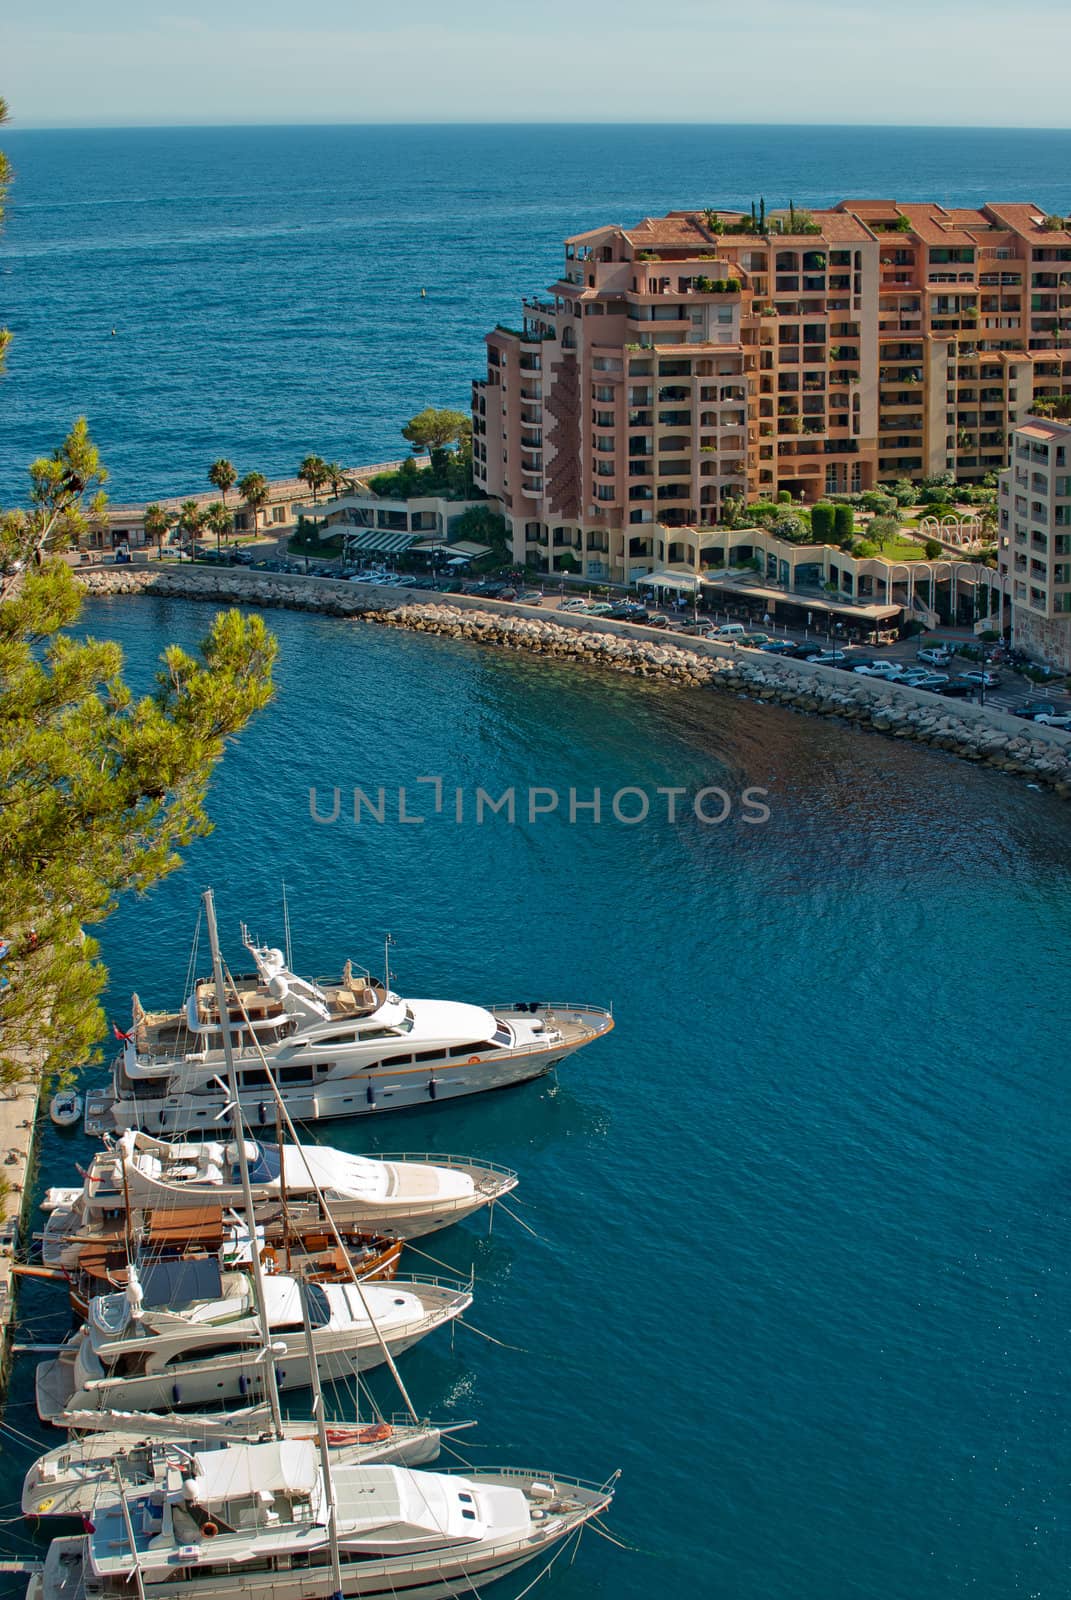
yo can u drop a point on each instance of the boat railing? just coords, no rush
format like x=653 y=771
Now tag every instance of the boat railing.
x=528 y=1475
x=550 y=1007
x=434 y=1158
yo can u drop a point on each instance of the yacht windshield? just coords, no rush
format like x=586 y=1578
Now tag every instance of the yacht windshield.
x=319 y=1310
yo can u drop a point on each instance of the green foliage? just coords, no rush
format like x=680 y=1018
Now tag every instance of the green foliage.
x=784 y=497
x=313 y=471
x=874 y=500
x=480 y=525
x=822 y=522
x=1054 y=223
x=1052 y=405
x=938 y=480
x=902 y=225
x=66 y=491
x=864 y=548
x=843 y=524
x=940 y=508
x=731 y=512
x=431 y=429
x=790 y=527
x=883 y=529
x=223 y=476
x=904 y=492
x=190 y=520
x=217 y=520
x=99 y=790
x=717 y=285
x=158 y=523
x=255 y=492
x=933 y=549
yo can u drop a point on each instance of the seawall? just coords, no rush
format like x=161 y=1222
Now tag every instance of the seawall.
x=975 y=733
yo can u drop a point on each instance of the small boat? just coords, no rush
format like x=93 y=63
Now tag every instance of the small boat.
x=66 y=1109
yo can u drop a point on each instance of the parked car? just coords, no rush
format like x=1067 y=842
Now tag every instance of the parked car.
x=958 y=689
x=628 y=612
x=831 y=658
x=574 y=603
x=805 y=650
x=889 y=670
x=1034 y=708
x=983 y=676
x=1054 y=719
x=598 y=608
x=755 y=641
x=777 y=647
x=935 y=655
x=932 y=680
x=655 y=619
x=529 y=597
x=699 y=630
x=730 y=630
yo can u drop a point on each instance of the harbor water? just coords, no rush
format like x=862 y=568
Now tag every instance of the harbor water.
x=797 y=1261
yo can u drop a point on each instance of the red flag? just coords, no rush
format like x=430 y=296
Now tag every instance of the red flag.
x=119 y=1034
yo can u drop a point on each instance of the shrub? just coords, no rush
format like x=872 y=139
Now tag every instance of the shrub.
x=789 y=526
x=843 y=523
x=904 y=492
x=989 y=636
x=864 y=548
x=903 y=225
x=933 y=549
x=784 y=498
x=941 y=508
x=874 y=500
x=822 y=522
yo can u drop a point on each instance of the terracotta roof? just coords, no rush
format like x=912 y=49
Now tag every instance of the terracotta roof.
x=1044 y=428
x=676 y=230
x=1023 y=219
x=594 y=233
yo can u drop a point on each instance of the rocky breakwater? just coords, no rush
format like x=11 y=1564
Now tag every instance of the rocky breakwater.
x=236 y=586
x=972 y=732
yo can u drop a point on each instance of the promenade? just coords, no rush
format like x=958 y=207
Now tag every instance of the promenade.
x=18 y=1124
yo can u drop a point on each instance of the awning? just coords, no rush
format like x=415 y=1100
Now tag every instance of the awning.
x=378 y=539
x=671 y=580
x=467 y=551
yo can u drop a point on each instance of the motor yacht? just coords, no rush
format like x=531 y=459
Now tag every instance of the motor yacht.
x=343 y=1047
x=264 y=1516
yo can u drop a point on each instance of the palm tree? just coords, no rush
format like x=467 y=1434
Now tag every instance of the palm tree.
x=337 y=477
x=218 y=520
x=190 y=520
x=255 y=492
x=313 y=471
x=158 y=524
x=223 y=476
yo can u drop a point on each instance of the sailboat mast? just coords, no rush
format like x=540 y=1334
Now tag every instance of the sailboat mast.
x=243 y=1159
x=321 y=1440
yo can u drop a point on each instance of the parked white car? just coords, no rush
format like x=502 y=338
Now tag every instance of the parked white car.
x=935 y=655
x=1054 y=719
x=889 y=670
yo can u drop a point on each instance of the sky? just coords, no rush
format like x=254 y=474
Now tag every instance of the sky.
x=114 y=63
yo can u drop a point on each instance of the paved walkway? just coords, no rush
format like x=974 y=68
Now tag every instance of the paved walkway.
x=18 y=1113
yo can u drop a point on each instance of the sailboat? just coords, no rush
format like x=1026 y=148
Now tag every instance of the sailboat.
x=271 y=1517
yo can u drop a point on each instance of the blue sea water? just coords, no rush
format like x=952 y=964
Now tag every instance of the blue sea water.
x=264 y=283
x=800 y=1266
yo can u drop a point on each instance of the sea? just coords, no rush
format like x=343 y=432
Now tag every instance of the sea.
x=789 y=1247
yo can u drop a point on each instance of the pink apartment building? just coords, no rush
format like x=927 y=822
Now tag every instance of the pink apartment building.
x=700 y=357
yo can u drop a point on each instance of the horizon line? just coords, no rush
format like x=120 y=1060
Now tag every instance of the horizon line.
x=75 y=125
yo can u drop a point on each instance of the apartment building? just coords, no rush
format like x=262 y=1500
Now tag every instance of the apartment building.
x=703 y=357
x=1034 y=553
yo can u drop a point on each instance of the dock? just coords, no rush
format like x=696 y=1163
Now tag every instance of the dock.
x=18 y=1133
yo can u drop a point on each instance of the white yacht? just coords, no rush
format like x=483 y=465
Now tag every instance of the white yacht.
x=343 y=1047
x=205 y=1343
x=69 y=1480
x=264 y=1517
x=137 y=1178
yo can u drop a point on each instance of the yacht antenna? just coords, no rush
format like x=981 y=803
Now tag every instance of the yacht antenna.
x=243 y=1159
x=388 y=940
x=321 y=1440
x=286 y=929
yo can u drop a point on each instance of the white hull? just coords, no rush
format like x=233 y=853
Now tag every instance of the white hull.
x=70 y=1480
x=446 y=1573
x=188 y=1384
x=362 y=1094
